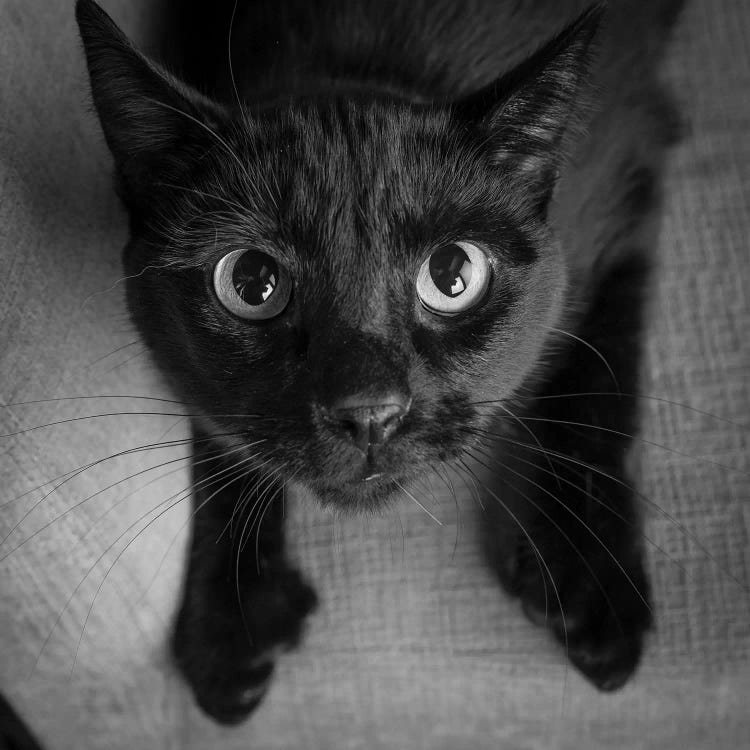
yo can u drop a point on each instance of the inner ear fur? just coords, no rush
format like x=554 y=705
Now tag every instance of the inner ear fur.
x=151 y=121
x=524 y=116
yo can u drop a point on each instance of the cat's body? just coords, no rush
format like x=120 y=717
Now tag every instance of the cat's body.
x=380 y=147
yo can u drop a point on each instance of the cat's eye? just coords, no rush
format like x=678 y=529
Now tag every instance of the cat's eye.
x=252 y=284
x=453 y=279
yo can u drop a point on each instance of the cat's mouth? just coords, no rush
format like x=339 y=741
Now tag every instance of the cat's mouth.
x=371 y=489
x=370 y=469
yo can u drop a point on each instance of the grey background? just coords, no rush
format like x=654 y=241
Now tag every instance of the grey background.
x=414 y=645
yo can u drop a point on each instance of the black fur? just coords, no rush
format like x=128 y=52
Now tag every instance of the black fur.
x=349 y=141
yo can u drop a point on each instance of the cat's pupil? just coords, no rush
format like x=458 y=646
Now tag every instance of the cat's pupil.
x=255 y=276
x=450 y=269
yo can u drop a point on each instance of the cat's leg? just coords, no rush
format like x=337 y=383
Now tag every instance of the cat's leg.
x=242 y=603
x=569 y=482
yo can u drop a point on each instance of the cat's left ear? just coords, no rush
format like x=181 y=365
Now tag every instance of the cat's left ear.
x=152 y=123
x=523 y=117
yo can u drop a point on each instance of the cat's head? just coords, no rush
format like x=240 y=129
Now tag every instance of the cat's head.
x=348 y=278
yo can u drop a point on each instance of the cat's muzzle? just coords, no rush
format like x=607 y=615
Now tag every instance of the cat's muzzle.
x=366 y=422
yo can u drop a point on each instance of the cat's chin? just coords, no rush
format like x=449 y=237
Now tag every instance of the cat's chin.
x=372 y=493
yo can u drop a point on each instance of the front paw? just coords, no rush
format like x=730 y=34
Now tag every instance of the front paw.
x=227 y=652
x=599 y=610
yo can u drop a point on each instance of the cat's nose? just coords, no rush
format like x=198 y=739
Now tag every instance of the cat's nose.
x=368 y=421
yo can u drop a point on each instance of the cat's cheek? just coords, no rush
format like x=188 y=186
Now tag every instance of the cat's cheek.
x=518 y=353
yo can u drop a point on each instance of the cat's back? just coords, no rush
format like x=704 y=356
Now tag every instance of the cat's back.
x=424 y=48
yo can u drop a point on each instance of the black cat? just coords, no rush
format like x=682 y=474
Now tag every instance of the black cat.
x=396 y=236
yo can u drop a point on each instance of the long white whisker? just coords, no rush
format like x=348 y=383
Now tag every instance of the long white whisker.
x=592 y=348
x=414 y=499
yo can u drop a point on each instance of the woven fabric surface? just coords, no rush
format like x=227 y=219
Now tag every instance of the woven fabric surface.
x=414 y=646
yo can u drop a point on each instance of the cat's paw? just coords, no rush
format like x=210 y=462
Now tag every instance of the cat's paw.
x=599 y=611
x=227 y=653
x=231 y=696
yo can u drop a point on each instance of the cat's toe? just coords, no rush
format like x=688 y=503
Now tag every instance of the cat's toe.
x=606 y=629
x=599 y=615
x=608 y=667
x=233 y=698
x=227 y=656
x=516 y=566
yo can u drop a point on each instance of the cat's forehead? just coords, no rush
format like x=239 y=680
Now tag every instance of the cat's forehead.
x=339 y=137
x=344 y=190
x=366 y=172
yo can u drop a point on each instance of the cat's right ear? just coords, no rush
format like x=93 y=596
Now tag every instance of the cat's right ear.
x=151 y=122
x=524 y=118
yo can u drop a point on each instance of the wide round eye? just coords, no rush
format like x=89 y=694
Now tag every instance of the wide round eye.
x=251 y=284
x=453 y=279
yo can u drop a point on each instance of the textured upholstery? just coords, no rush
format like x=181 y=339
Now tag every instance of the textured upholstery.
x=414 y=646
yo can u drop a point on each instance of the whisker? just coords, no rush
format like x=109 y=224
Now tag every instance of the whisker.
x=91 y=416
x=265 y=487
x=229 y=59
x=652 y=443
x=140 y=353
x=235 y=472
x=573 y=546
x=120 y=316
x=77 y=505
x=109 y=570
x=629 y=522
x=82 y=581
x=541 y=562
x=242 y=502
x=79 y=472
x=126 y=414
x=260 y=522
x=223 y=452
x=414 y=499
x=70 y=475
x=261 y=515
x=80 y=469
x=112 y=353
x=403 y=540
x=166 y=432
x=607 y=394
x=530 y=431
x=240 y=547
x=230 y=151
x=565 y=535
x=210 y=196
x=426 y=484
x=665 y=514
x=474 y=491
x=242 y=497
x=135 y=397
x=446 y=480
x=591 y=348
x=126 y=547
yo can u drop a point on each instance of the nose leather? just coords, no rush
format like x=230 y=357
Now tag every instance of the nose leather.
x=368 y=421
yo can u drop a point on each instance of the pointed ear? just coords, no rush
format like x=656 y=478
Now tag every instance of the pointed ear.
x=151 y=122
x=524 y=116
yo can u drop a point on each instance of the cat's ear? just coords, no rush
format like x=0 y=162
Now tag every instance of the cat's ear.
x=523 y=118
x=151 y=122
